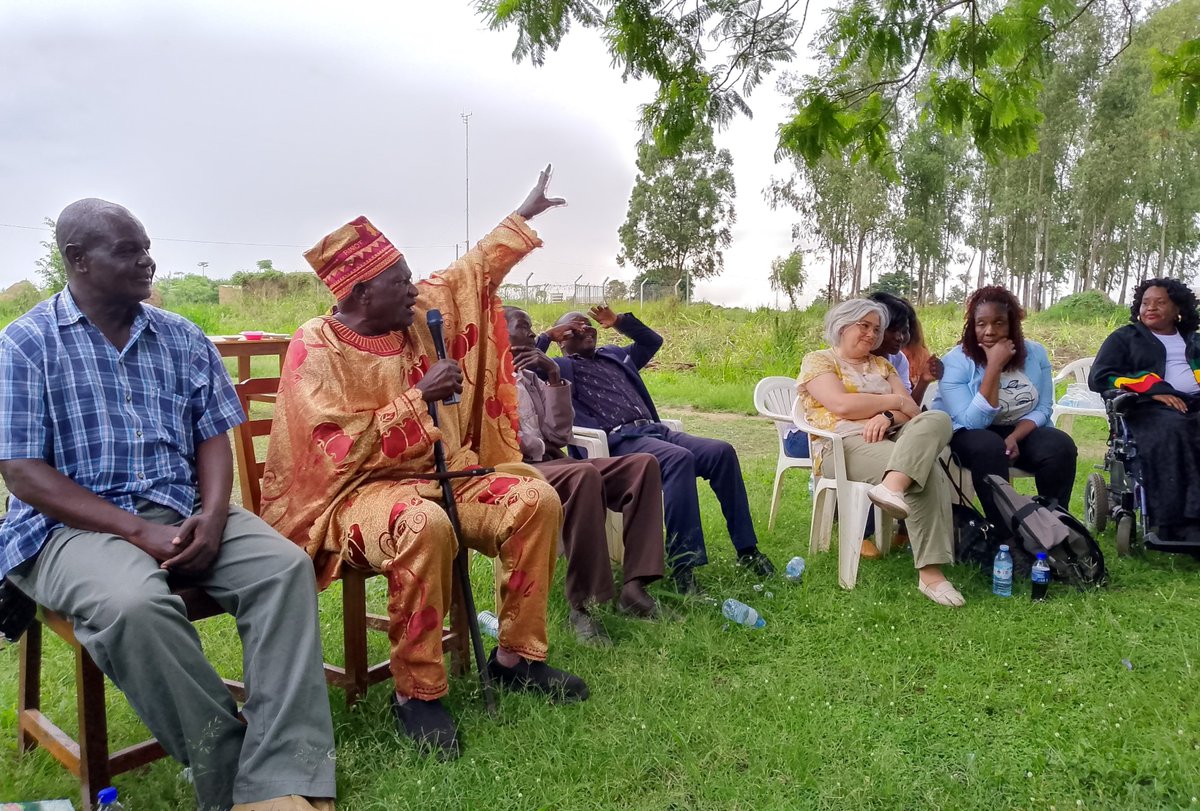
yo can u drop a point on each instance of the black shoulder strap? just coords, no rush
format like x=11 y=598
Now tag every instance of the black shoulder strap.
x=1024 y=512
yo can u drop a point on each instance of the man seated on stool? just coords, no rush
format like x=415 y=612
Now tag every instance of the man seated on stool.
x=609 y=394
x=352 y=451
x=630 y=485
x=115 y=450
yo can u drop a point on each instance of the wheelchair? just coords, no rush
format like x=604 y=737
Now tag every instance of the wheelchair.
x=1121 y=498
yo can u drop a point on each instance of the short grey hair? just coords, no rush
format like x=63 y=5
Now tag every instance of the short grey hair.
x=850 y=312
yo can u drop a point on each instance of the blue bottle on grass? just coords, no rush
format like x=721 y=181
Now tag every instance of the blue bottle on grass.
x=1040 y=576
x=795 y=569
x=108 y=800
x=742 y=614
x=1002 y=570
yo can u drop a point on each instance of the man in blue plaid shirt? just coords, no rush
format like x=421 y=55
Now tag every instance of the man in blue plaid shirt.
x=113 y=443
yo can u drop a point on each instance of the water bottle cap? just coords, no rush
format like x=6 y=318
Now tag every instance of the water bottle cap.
x=107 y=795
x=1003 y=547
x=1041 y=555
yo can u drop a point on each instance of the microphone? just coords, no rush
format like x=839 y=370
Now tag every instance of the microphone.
x=434 y=321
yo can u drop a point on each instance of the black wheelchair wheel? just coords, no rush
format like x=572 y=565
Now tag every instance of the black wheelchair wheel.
x=1095 y=503
x=1125 y=539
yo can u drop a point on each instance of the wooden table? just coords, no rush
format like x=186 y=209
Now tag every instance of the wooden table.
x=230 y=346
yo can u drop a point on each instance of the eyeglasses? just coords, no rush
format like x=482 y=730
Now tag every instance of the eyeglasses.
x=868 y=327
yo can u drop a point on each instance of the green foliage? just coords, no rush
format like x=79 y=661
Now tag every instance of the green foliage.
x=1181 y=70
x=787 y=276
x=51 y=268
x=187 y=290
x=616 y=290
x=271 y=283
x=681 y=212
x=705 y=56
x=896 y=281
x=1088 y=304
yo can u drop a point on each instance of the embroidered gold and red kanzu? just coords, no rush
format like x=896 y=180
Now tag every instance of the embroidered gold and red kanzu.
x=351 y=437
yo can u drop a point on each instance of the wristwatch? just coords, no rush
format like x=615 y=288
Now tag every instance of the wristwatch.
x=890 y=416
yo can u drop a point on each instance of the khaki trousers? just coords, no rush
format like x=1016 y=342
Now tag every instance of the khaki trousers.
x=125 y=616
x=914 y=452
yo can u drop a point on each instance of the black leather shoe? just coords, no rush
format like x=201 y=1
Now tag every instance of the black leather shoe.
x=538 y=677
x=756 y=562
x=429 y=725
x=687 y=584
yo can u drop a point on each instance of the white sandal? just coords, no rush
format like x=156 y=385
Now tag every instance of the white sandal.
x=942 y=593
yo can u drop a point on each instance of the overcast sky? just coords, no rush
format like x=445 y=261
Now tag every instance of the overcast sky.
x=271 y=122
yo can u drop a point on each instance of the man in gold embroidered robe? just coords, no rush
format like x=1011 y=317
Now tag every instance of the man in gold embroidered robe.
x=353 y=434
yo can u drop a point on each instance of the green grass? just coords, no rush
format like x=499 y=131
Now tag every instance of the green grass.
x=873 y=698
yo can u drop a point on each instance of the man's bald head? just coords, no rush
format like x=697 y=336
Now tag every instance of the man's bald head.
x=574 y=315
x=85 y=223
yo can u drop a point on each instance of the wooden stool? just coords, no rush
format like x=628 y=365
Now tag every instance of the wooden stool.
x=88 y=758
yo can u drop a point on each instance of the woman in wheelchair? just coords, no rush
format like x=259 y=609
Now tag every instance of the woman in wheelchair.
x=887 y=440
x=997 y=389
x=1157 y=356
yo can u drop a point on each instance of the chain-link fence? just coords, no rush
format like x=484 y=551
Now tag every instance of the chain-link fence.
x=580 y=294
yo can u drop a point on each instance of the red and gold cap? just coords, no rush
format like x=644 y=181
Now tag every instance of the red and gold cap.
x=356 y=252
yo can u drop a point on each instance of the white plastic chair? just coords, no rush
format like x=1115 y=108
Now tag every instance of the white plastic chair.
x=848 y=498
x=774 y=398
x=595 y=443
x=1076 y=372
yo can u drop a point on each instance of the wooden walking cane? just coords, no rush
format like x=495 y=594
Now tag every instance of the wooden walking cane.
x=461 y=561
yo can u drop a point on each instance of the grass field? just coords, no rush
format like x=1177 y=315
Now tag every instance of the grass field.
x=873 y=698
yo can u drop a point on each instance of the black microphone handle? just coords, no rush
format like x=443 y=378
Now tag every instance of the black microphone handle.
x=433 y=319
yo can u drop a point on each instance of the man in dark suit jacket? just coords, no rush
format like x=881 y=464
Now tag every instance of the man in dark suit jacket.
x=609 y=394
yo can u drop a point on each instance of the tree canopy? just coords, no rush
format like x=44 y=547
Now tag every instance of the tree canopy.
x=680 y=212
x=973 y=67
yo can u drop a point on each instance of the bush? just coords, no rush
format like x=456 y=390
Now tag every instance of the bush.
x=1091 y=304
x=187 y=290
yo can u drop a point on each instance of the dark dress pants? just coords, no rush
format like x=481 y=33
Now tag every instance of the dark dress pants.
x=630 y=485
x=1048 y=453
x=682 y=458
x=1168 y=465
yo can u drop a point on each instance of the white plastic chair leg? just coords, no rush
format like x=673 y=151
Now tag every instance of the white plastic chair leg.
x=853 y=506
x=776 y=489
x=824 y=505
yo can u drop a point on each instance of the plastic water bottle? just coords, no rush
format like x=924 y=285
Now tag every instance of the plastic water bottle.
x=739 y=612
x=1041 y=576
x=812 y=485
x=1002 y=570
x=795 y=569
x=108 y=800
x=489 y=624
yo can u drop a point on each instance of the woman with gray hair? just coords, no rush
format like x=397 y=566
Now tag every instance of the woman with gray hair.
x=887 y=439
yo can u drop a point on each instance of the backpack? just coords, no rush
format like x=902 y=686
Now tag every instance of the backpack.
x=1041 y=525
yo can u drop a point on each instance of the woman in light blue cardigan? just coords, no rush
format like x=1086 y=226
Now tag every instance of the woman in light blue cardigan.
x=997 y=388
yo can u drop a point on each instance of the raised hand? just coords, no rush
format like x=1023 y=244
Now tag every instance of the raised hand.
x=561 y=332
x=604 y=316
x=443 y=379
x=536 y=201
